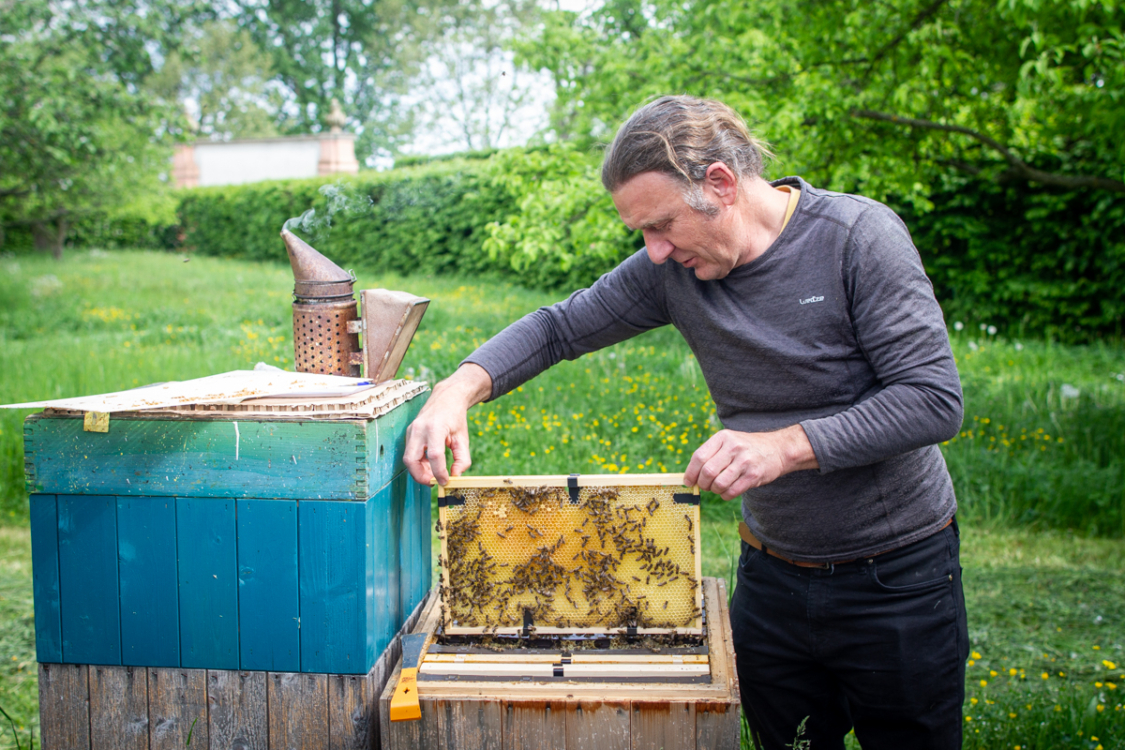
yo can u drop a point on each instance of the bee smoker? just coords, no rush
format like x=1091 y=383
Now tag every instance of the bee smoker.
x=323 y=307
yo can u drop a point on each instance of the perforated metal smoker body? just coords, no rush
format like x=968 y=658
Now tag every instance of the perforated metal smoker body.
x=321 y=341
x=586 y=554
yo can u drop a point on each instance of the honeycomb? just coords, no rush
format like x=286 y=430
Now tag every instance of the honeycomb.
x=620 y=553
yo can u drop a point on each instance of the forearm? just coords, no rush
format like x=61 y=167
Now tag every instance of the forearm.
x=898 y=419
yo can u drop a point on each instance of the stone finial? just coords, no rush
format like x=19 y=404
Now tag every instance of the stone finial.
x=336 y=119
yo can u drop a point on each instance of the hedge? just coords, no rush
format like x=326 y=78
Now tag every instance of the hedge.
x=1028 y=260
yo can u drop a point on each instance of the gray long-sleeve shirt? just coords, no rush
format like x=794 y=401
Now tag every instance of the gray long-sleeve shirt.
x=835 y=327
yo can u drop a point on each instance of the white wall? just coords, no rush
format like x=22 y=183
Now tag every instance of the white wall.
x=237 y=162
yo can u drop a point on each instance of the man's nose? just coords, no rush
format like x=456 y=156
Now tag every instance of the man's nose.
x=658 y=250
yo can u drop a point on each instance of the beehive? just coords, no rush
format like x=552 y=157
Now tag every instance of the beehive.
x=580 y=554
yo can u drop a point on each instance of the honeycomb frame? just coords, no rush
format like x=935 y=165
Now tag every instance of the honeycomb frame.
x=581 y=554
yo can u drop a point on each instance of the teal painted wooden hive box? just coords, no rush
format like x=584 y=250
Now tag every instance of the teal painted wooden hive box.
x=227 y=538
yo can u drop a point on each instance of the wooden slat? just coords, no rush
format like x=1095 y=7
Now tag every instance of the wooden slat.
x=91 y=618
x=298 y=710
x=238 y=715
x=268 y=597
x=351 y=713
x=177 y=707
x=598 y=725
x=560 y=480
x=208 y=582
x=592 y=657
x=717 y=725
x=64 y=707
x=660 y=725
x=146 y=550
x=45 y=577
x=118 y=708
x=456 y=724
x=519 y=671
x=334 y=584
x=311 y=459
x=534 y=725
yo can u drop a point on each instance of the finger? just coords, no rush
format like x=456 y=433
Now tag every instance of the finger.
x=700 y=458
x=734 y=480
x=414 y=458
x=462 y=459
x=436 y=458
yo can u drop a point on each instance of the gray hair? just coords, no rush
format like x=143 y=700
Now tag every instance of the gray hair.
x=681 y=136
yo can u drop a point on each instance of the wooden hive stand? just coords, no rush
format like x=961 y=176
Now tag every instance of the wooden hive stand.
x=561 y=715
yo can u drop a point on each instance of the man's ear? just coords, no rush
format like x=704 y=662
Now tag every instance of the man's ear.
x=721 y=182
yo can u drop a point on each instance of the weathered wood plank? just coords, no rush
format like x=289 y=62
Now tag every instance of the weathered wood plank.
x=298 y=710
x=177 y=709
x=717 y=725
x=118 y=708
x=238 y=715
x=334 y=587
x=268 y=595
x=399 y=735
x=295 y=460
x=534 y=725
x=597 y=725
x=91 y=618
x=208 y=582
x=146 y=551
x=352 y=723
x=469 y=723
x=662 y=725
x=45 y=577
x=64 y=707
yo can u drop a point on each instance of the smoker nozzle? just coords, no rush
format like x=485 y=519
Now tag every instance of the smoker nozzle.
x=315 y=277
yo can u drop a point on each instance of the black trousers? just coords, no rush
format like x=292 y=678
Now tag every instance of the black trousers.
x=878 y=644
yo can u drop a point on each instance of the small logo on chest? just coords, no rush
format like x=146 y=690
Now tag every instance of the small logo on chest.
x=810 y=300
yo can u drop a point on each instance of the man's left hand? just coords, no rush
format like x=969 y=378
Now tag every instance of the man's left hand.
x=731 y=462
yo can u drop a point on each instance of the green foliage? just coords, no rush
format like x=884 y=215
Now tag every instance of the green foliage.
x=1031 y=262
x=430 y=219
x=77 y=135
x=565 y=231
x=225 y=75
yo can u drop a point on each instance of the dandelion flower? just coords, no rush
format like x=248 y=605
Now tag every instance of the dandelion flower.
x=976 y=655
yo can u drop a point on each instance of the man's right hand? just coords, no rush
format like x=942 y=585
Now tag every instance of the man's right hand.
x=443 y=423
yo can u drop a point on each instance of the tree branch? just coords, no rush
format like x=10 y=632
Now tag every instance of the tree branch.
x=1020 y=168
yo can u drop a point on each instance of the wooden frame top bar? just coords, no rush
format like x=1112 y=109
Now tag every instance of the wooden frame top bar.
x=563 y=480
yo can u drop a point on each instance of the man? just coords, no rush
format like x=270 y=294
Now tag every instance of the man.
x=827 y=357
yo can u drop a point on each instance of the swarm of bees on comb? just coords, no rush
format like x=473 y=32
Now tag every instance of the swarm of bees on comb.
x=605 y=557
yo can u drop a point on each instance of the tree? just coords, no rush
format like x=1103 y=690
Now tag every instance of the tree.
x=475 y=96
x=221 y=76
x=360 y=52
x=77 y=132
x=889 y=95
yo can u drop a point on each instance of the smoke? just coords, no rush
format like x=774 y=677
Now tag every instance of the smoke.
x=340 y=201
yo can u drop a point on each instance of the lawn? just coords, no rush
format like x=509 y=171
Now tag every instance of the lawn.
x=1038 y=466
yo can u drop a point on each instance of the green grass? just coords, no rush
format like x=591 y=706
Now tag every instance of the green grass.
x=1043 y=517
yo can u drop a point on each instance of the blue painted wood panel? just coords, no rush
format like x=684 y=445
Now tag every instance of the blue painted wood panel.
x=414 y=550
x=386 y=441
x=334 y=579
x=208 y=582
x=202 y=458
x=268 y=593
x=45 y=577
x=91 y=624
x=146 y=551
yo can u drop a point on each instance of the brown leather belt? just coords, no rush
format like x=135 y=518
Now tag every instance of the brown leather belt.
x=749 y=538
